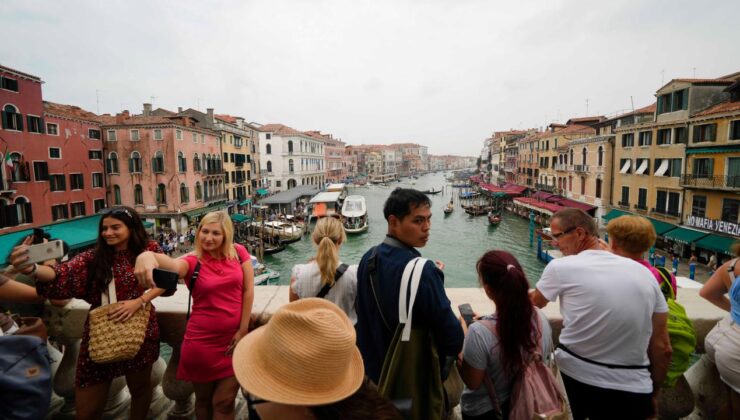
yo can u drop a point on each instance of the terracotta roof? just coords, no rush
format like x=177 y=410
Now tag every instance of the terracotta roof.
x=69 y=111
x=280 y=129
x=227 y=118
x=20 y=73
x=137 y=120
x=720 y=108
x=575 y=129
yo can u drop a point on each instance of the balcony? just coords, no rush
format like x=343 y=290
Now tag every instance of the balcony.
x=545 y=187
x=561 y=167
x=668 y=212
x=580 y=168
x=721 y=182
x=215 y=197
x=624 y=204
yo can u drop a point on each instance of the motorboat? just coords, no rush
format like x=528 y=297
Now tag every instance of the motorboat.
x=449 y=208
x=354 y=214
x=262 y=274
x=286 y=231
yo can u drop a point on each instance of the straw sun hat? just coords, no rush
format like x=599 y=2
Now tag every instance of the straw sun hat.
x=305 y=355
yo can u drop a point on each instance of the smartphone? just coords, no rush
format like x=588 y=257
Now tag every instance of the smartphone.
x=38 y=236
x=166 y=280
x=45 y=251
x=466 y=311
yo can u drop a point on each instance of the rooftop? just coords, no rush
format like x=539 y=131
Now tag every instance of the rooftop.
x=69 y=111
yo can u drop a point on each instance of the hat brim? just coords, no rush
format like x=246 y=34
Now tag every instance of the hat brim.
x=253 y=376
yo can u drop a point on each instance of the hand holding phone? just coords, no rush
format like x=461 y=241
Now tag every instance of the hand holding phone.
x=44 y=252
x=466 y=311
x=166 y=280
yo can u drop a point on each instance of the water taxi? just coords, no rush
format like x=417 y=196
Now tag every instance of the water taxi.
x=325 y=204
x=286 y=231
x=354 y=214
x=262 y=274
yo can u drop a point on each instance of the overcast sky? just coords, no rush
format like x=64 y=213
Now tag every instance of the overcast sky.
x=444 y=73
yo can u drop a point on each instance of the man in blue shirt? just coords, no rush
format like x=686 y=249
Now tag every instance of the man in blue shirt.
x=408 y=213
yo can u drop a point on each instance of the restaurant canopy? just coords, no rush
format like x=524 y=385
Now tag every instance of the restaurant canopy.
x=717 y=243
x=684 y=235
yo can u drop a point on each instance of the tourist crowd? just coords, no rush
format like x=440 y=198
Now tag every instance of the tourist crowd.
x=379 y=339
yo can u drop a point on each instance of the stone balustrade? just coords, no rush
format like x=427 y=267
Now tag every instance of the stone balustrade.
x=698 y=398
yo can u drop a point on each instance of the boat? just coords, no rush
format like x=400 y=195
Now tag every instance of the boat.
x=460 y=185
x=354 y=214
x=325 y=204
x=469 y=194
x=340 y=188
x=494 y=219
x=449 y=208
x=432 y=192
x=262 y=274
x=476 y=210
x=286 y=231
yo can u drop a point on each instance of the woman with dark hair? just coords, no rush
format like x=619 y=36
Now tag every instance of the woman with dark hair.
x=121 y=239
x=495 y=346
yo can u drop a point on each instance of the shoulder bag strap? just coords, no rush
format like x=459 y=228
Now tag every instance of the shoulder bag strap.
x=110 y=297
x=731 y=270
x=594 y=362
x=486 y=377
x=405 y=314
x=372 y=267
x=193 y=278
x=337 y=274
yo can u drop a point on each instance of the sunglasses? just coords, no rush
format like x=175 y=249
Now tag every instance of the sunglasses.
x=557 y=236
x=115 y=211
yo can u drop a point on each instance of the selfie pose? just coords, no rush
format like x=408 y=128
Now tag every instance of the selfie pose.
x=87 y=276
x=221 y=281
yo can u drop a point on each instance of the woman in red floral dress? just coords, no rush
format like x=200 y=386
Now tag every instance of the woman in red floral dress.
x=122 y=238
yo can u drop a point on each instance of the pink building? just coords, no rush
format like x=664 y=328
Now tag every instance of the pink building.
x=165 y=167
x=334 y=156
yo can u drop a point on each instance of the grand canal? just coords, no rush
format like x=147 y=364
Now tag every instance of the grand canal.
x=458 y=239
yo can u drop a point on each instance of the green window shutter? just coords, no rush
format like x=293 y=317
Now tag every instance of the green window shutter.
x=710 y=167
x=697 y=133
x=712 y=132
x=19 y=119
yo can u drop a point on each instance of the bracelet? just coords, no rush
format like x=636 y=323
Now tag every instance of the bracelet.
x=143 y=302
x=33 y=272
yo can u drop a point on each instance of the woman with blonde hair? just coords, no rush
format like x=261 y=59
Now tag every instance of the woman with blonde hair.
x=220 y=277
x=325 y=276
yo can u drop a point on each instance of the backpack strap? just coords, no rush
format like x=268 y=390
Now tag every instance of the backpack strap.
x=337 y=274
x=372 y=268
x=411 y=274
x=731 y=270
x=193 y=278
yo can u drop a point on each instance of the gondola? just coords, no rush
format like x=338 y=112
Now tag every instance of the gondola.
x=432 y=192
x=494 y=219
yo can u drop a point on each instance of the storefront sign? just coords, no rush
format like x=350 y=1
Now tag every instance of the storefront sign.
x=716 y=225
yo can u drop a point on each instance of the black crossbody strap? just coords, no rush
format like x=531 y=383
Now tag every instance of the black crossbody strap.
x=594 y=362
x=337 y=274
x=372 y=268
x=193 y=278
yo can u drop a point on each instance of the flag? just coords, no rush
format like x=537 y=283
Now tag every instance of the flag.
x=7 y=159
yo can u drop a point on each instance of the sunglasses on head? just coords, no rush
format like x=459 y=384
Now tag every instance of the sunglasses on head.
x=115 y=211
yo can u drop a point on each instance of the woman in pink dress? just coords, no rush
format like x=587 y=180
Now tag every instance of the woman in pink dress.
x=222 y=293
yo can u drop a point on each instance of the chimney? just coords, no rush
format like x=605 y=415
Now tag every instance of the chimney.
x=240 y=122
x=123 y=116
x=179 y=110
x=147 y=109
x=209 y=111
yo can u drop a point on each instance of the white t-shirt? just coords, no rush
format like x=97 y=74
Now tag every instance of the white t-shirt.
x=607 y=303
x=308 y=284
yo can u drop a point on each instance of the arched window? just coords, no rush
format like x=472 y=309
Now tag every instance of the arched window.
x=196 y=163
x=23 y=209
x=583 y=156
x=184 y=195
x=601 y=156
x=158 y=162
x=570 y=182
x=134 y=163
x=290 y=165
x=269 y=166
x=290 y=146
x=571 y=157
x=268 y=149
x=112 y=163
x=292 y=183
x=583 y=185
x=182 y=164
x=138 y=195
x=598 y=187
x=12 y=119
x=198 y=191
x=18 y=171
x=161 y=194
x=117 y=195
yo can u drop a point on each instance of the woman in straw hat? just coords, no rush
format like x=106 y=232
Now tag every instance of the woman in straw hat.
x=307 y=280
x=304 y=364
x=222 y=304
x=121 y=237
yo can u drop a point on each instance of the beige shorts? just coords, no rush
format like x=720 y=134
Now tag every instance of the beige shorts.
x=723 y=348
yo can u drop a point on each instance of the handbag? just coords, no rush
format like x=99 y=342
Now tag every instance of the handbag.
x=112 y=341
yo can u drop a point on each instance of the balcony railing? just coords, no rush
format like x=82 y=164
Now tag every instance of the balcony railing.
x=545 y=187
x=580 y=168
x=215 y=197
x=561 y=167
x=713 y=181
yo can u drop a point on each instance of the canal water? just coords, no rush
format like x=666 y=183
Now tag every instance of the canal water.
x=458 y=240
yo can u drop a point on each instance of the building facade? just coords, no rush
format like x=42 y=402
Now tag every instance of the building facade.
x=290 y=158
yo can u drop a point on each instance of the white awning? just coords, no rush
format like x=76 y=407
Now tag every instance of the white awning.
x=626 y=166
x=663 y=168
x=643 y=166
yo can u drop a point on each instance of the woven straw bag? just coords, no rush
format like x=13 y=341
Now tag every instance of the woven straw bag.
x=112 y=341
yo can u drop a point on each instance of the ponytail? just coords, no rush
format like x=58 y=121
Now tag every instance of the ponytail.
x=328 y=236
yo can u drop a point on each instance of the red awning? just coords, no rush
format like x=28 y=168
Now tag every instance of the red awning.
x=567 y=202
x=542 y=195
x=531 y=202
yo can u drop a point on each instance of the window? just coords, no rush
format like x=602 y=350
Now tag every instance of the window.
x=78 y=209
x=98 y=205
x=8 y=84
x=52 y=129
x=730 y=207
x=182 y=165
x=625 y=200
x=733 y=172
x=277 y=184
x=40 y=171
x=184 y=195
x=198 y=191
x=178 y=134
x=134 y=135
x=703 y=168
x=268 y=149
x=76 y=182
x=628 y=139
x=161 y=194
x=645 y=138
x=55 y=153
x=112 y=135
x=97 y=180
x=667 y=202
x=202 y=139
x=583 y=185
x=642 y=166
x=196 y=163
x=157 y=134
x=664 y=136
x=134 y=163
x=674 y=101
x=675 y=167
x=138 y=195
x=674 y=199
x=681 y=135
x=600 y=156
x=59 y=211
x=94 y=133
x=226 y=158
x=23 y=211
x=290 y=165
x=660 y=201
x=269 y=166
x=704 y=132
x=195 y=137
x=57 y=182
x=35 y=124
x=268 y=136
x=290 y=146
x=699 y=206
x=158 y=162
x=117 y=195
x=642 y=199
x=625 y=166
x=111 y=165
x=95 y=154
x=11 y=118
x=598 y=188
